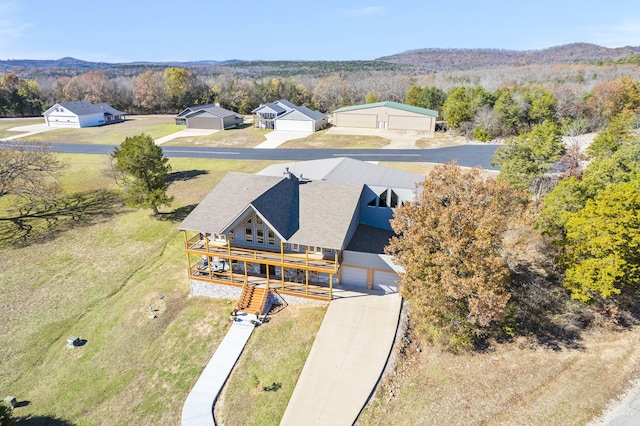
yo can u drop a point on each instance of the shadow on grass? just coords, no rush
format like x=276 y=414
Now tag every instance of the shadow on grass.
x=40 y=221
x=42 y=421
x=240 y=127
x=185 y=175
x=178 y=214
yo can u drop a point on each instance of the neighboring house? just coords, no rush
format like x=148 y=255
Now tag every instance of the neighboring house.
x=82 y=114
x=386 y=115
x=299 y=228
x=283 y=115
x=209 y=117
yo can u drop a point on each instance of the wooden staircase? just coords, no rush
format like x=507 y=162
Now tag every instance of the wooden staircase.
x=252 y=299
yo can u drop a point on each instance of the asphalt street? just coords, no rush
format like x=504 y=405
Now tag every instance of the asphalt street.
x=466 y=155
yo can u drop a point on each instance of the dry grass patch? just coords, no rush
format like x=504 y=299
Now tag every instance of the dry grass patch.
x=262 y=382
x=321 y=139
x=8 y=123
x=517 y=383
x=113 y=134
x=441 y=140
x=245 y=136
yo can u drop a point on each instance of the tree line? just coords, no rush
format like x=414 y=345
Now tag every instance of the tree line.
x=546 y=249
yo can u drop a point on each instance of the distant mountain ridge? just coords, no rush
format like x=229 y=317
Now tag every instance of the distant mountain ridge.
x=463 y=59
x=438 y=59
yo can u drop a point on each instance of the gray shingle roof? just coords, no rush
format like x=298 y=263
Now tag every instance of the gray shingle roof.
x=314 y=213
x=344 y=169
x=210 y=108
x=84 y=108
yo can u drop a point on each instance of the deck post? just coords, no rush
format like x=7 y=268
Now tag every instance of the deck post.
x=330 y=286
x=186 y=246
x=306 y=275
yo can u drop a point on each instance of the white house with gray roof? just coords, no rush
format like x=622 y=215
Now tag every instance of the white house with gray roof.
x=285 y=116
x=301 y=227
x=82 y=114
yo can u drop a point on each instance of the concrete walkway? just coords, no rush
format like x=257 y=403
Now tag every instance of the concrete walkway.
x=186 y=133
x=278 y=137
x=399 y=139
x=346 y=360
x=198 y=408
x=26 y=131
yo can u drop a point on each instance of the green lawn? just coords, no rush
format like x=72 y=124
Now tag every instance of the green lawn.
x=95 y=277
x=258 y=391
x=154 y=125
x=8 y=123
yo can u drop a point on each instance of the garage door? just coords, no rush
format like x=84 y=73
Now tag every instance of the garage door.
x=356 y=277
x=294 y=125
x=204 y=123
x=384 y=280
x=400 y=122
x=369 y=121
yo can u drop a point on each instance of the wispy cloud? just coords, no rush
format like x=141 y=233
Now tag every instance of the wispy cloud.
x=11 y=27
x=367 y=11
x=624 y=33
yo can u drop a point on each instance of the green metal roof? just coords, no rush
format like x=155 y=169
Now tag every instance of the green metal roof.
x=396 y=105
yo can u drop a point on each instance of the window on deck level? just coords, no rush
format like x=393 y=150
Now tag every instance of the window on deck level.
x=248 y=234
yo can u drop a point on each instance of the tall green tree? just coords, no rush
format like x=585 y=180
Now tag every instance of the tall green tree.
x=463 y=103
x=616 y=133
x=449 y=243
x=603 y=238
x=372 y=98
x=146 y=170
x=524 y=158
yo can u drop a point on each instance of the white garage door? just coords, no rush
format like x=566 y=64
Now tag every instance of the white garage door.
x=369 y=121
x=356 y=277
x=384 y=280
x=294 y=125
x=410 y=123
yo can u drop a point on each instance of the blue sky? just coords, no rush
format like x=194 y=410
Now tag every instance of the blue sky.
x=160 y=30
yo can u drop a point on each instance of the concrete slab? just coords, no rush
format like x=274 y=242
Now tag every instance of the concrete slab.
x=346 y=360
x=26 y=131
x=198 y=407
x=278 y=137
x=186 y=133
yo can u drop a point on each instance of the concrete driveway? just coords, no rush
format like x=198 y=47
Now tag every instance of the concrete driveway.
x=400 y=139
x=26 y=131
x=278 y=137
x=186 y=133
x=346 y=360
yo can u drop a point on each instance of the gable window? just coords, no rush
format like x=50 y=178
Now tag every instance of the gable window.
x=248 y=234
x=231 y=236
x=260 y=235
x=259 y=220
x=272 y=238
x=372 y=203
x=249 y=220
x=383 y=199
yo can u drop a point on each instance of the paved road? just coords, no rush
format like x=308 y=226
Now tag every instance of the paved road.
x=466 y=155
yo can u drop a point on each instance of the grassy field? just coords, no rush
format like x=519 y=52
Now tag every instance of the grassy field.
x=8 y=123
x=245 y=136
x=96 y=278
x=154 y=125
x=320 y=139
x=259 y=389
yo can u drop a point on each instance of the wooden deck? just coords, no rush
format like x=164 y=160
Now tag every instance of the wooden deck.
x=313 y=290
x=307 y=261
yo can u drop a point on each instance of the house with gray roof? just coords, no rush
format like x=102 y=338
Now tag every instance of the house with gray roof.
x=82 y=114
x=386 y=115
x=283 y=115
x=209 y=116
x=298 y=229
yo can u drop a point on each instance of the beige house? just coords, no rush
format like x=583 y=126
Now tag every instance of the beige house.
x=386 y=115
